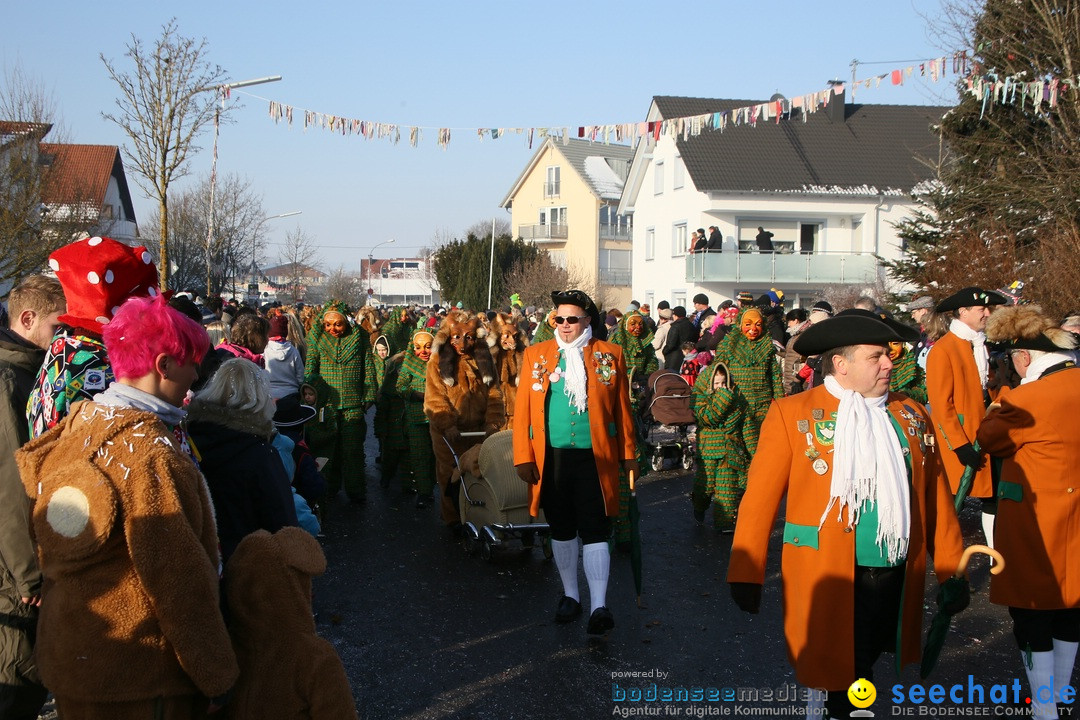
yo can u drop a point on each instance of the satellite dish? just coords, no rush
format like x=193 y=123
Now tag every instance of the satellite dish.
x=785 y=106
x=778 y=96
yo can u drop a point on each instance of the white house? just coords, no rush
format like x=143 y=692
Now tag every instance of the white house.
x=829 y=185
x=399 y=281
x=87 y=185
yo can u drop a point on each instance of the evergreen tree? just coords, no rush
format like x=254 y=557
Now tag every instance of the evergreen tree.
x=461 y=267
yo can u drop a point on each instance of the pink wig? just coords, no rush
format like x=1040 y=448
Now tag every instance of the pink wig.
x=147 y=327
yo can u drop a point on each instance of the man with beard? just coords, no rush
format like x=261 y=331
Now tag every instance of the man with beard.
x=574 y=432
x=462 y=400
x=340 y=356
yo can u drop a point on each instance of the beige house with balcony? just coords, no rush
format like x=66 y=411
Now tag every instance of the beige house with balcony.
x=565 y=201
x=829 y=186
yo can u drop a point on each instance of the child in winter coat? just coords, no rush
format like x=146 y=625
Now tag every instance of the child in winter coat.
x=282 y=360
x=286 y=669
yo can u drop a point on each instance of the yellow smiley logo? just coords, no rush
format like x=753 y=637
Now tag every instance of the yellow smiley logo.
x=862 y=693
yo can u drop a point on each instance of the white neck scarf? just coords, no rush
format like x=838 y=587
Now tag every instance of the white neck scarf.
x=978 y=343
x=868 y=466
x=1043 y=363
x=575 y=386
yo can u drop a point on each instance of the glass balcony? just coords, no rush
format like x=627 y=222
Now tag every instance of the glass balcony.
x=791 y=268
x=542 y=232
x=616 y=232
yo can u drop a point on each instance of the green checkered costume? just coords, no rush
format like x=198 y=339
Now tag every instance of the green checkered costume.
x=722 y=460
x=398 y=330
x=756 y=376
x=410 y=387
x=908 y=377
x=641 y=361
x=389 y=420
x=347 y=367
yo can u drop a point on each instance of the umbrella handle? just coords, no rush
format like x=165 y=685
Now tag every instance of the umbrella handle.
x=630 y=475
x=996 y=568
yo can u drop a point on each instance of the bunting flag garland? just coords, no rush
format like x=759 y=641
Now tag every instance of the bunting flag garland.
x=986 y=87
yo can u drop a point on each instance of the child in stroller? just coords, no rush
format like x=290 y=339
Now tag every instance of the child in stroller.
x=666 y=419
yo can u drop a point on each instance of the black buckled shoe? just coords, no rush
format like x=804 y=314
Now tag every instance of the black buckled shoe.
x=600 y=621
x=569 y=610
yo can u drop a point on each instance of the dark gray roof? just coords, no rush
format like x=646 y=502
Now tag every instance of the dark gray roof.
x=877 y=147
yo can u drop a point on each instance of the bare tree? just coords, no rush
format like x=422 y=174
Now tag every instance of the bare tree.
x=339 y=286
x=535 y=279
x=482 y=228
x=163 y=106
x=296 y=258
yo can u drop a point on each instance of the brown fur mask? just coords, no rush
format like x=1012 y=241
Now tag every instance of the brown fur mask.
x=370 y=321
x=463 y=333
x=1026 y=323
x=505 y=328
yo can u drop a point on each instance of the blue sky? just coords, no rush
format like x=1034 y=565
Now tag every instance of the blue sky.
x=459 y=65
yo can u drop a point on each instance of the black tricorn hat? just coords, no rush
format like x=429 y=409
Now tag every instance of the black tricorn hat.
x=906 y=332
x=851 y=327
x=580 y=299
x=970 y=297
x=290 y=412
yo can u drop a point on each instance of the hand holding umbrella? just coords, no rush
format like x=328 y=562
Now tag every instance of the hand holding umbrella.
x=952 y=597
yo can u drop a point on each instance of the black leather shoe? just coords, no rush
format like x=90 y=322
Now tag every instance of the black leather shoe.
x=600 y=621
x=569 y=609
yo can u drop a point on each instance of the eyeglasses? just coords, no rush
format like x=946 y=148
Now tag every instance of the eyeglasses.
x=570 y=319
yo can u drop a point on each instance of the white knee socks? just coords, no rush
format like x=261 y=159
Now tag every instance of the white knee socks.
x=1041 y=683
x=988 y=528
x=596 y=557
x=1064 y=657
x=565 y=553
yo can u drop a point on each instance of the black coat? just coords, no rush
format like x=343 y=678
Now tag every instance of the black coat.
x=244 y=473
x=716 y=242
x=682 y=330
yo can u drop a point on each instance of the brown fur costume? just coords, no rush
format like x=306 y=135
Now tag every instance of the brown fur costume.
x=507 y=362
x=286 y=669
x=370 y=320
x=461 y=395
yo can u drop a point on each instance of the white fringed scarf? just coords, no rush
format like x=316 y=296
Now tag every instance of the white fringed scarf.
x=575 y=386
x=978 y=346
x=868 y=466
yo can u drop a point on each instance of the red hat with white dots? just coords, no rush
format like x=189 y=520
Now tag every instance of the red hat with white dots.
x=98 y=274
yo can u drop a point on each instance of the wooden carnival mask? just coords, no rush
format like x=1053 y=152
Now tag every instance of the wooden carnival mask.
x=335 y=324
x=635 y=325
x=421 y=343
x=751 y=325
x=896 y=349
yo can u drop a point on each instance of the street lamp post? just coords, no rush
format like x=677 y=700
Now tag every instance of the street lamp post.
x=224 y=90
x=371 y=259
x=255 y=238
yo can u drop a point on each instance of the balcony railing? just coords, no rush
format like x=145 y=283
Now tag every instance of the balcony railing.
x=774 y=267
x=618 y=278
x=551 y=189
x=615 y=232
x=542 y=232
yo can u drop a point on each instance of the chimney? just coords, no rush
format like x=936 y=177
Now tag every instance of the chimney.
x=835 y=109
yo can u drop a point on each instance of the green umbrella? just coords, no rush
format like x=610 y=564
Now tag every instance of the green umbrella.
x=949 y=591
x=635 y=538
x=965 y=483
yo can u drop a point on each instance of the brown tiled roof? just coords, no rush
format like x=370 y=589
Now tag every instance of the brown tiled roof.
x=80 y=173
x=877 y=148
x=12 y=127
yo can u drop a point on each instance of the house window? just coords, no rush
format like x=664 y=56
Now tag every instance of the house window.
x=551 y=186
x=558 y=258
x=678 y=298
x=650 y=243
x=679 y=173
x=658 y=178
x=678 y=240
x=553 y=216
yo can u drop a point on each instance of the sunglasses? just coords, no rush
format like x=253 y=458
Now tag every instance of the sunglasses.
x=570 y=319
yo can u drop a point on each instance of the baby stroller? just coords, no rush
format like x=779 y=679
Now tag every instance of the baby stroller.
x=494 y=502
x=666 y=421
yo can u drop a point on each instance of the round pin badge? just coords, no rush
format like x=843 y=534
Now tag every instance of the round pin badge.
x=537 y=387
x=820 y=466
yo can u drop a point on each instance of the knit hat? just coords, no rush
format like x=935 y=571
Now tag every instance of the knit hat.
x=821 y=310
x=279 y=326
x=775 y=296
x=746 y=297
x=701 y=299
x=98 y=274
x=678 y=311
x=663 y=305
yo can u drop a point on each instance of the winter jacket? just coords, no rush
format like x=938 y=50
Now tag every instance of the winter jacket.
x=285 y=367
x=247 y=481
x=19 y=573
x=129 y=553
x=682 y=330
x=76 y=367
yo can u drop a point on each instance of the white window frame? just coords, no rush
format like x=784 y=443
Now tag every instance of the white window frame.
x=678 y=175
x=680 y=236
x=552 y=186
x=650 y=243
x=658 y=178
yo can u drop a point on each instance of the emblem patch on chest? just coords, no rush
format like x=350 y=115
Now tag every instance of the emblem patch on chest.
x=824 y=431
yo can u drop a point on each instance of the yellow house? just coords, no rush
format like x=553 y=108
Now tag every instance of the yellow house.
x=565 y=202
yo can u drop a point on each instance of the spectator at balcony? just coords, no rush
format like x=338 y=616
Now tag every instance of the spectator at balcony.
x=681 y=331
x=764 y=240
x=698 y=241
x=716 y=240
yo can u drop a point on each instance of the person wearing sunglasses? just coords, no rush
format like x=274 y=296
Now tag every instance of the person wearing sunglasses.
x=572 y=434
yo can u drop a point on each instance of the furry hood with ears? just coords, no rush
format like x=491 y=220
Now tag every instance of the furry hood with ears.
x=458 y=322
x=503 y=323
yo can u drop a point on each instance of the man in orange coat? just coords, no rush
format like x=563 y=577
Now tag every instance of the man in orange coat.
x=1038 y=528
x=572 y=433
x=865 y=501
x=956 y=375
